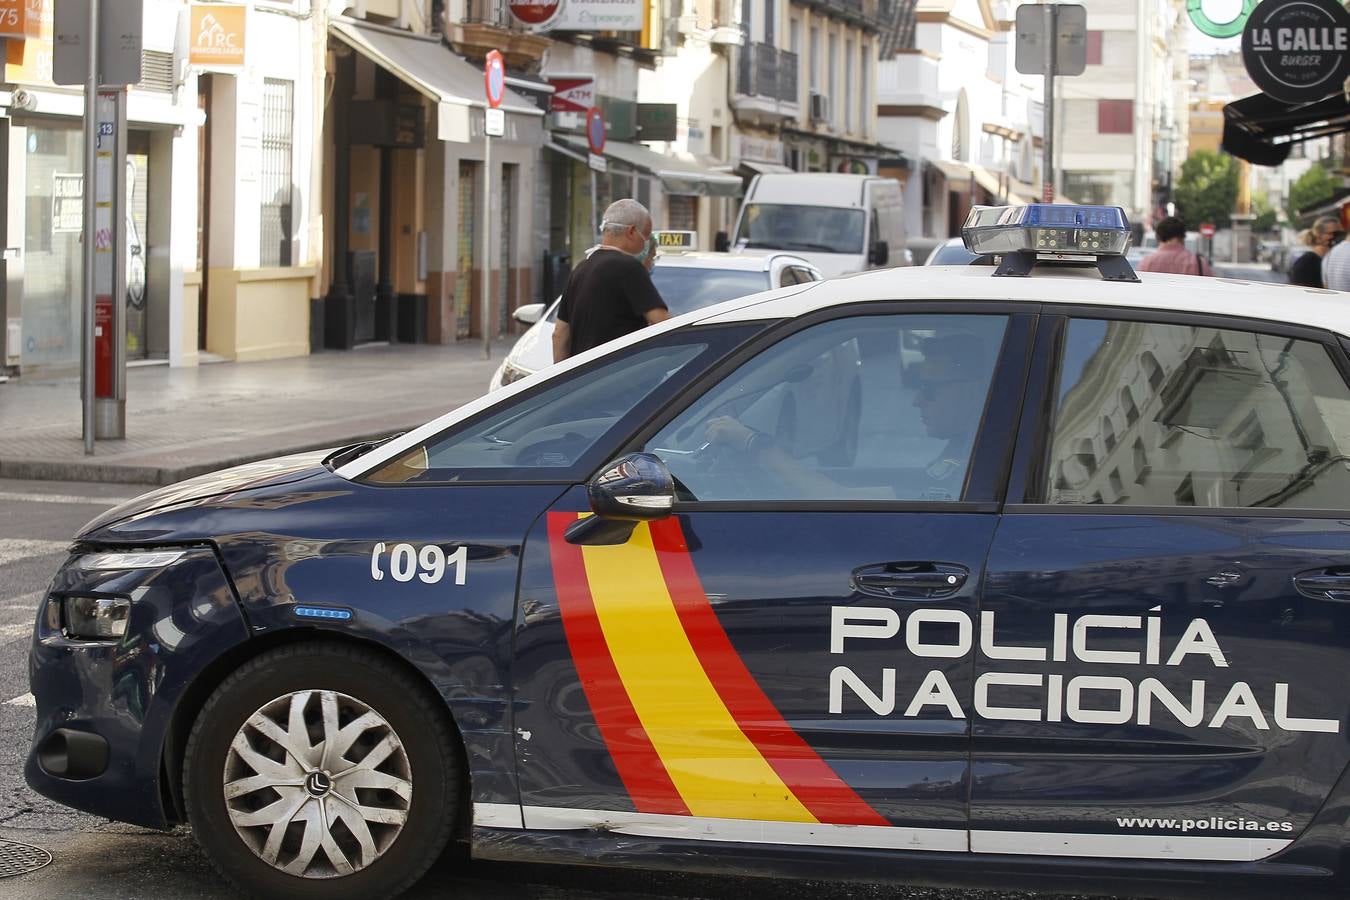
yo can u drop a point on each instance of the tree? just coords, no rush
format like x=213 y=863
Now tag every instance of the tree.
x=1207 y=189
x=1266 y=214
x=1311 y=188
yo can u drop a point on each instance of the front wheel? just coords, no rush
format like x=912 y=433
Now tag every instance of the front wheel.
x=322 y=770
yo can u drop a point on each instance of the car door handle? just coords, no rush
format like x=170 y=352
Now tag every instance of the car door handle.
x=1326 y=585
x=909 y=580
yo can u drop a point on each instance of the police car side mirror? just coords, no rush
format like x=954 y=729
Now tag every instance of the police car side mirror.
x=634 y=488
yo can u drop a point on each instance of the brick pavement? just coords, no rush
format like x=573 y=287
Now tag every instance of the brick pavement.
x=184 y=422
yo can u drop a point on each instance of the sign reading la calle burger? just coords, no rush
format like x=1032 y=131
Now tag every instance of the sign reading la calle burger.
x=1298 y=50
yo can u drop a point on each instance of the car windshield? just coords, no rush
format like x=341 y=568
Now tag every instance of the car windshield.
x=819 y=229
x=686 y=288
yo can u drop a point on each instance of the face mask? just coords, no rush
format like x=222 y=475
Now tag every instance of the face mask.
x=647 y=248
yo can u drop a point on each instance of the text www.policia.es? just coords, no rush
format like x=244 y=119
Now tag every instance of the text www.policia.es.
x=1211 y=824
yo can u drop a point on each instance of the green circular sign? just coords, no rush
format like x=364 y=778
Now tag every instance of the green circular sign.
x=1195 y=9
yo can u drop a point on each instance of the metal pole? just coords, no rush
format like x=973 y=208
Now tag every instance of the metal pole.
x=1051 y=38
x=487 y=240
x=90 y=227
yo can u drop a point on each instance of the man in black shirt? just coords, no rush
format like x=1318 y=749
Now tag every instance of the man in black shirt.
x=610 y=293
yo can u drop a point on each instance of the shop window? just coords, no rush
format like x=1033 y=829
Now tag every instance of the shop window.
x=277 y=210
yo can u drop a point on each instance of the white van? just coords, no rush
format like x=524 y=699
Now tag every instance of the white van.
x=839 y=223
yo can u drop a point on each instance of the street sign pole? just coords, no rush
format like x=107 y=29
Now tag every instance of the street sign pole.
x=487 y=243
x=89 y=237
x=494 y=122
x=1051 y=34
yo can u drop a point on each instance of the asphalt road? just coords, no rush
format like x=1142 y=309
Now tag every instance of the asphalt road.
x=94 y=859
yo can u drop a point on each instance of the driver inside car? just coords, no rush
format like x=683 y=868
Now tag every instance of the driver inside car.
x=949 y=396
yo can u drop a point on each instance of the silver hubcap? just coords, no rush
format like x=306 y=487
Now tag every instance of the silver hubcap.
x=317 y=784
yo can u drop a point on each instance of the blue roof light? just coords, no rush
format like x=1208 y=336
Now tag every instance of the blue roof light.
x=1063 y=233
x=322 y=612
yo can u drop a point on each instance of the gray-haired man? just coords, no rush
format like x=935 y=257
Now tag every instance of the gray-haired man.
x=610 y=293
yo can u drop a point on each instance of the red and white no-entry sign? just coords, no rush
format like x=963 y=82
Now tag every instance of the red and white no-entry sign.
x=1207 y=229
x=595 y=130
x=494 y=78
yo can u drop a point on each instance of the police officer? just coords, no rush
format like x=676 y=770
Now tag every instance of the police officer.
x=610 y=293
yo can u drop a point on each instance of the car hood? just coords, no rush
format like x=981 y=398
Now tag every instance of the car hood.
x=250 y=476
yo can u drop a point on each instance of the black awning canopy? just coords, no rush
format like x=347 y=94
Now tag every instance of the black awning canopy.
x=1261 y=129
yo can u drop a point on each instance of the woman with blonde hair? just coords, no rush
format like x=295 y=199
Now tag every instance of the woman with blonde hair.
x=1307 y=268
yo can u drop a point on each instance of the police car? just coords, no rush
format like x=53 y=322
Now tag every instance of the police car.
x=1026 y=575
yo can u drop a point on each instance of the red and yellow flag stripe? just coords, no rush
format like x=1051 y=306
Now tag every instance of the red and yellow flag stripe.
x=689 y=728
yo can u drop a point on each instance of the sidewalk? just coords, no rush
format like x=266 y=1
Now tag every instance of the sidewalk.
x=185 y=422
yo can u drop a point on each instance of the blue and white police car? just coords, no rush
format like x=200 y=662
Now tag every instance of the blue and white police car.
x=1035 y=574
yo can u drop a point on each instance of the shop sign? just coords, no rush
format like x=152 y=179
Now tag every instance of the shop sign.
x=766 y=150
x=1298 y=51
x=30 y=61
x=20 y=18
x=67 y=203
x=216 y=35
x=579 y=15
x=572 y=93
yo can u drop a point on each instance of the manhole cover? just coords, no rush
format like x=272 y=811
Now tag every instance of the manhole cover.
x=20 y=859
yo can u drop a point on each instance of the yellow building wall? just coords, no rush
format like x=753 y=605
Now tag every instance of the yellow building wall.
x=255 y=314
x=192 y=290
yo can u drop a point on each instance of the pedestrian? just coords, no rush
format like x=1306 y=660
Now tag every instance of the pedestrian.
x=1336 y=265
x=1307 y=268
x=1172 y=255
x=610 y=293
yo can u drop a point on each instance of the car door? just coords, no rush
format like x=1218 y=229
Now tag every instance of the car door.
x=1163 y=614
x=787 y=656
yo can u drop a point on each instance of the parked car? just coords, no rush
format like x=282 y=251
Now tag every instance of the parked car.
x=951 y=252
x=686 y=281
x=925 y=575
x=840 y=223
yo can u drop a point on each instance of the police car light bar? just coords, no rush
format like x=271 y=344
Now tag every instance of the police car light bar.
x=1050 y=232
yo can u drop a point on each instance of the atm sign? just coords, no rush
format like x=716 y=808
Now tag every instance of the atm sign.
x=676 y=240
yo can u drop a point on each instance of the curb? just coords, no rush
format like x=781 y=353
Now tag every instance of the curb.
x=135 y=473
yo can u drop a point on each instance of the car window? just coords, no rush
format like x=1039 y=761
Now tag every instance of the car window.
x=796 y=275
x=1166 y=415
x=863 y=408
x=951 y=254
x=686 y=288
x=547 y=432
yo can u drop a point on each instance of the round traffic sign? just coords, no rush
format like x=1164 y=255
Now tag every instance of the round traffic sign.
x=534 y=12
x=595 y=130
x=1207 y=229
x=494 y=78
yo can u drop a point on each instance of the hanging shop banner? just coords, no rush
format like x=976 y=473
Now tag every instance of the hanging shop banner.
x=216 y=35
x=1298 y=51
x=572 y=93
x=578 y=15
x=20 y=19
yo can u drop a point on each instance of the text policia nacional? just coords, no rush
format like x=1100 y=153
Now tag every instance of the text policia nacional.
x=1086 y=699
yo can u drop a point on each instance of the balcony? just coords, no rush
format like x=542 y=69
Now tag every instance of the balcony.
x=869 y=15
x=766 y=83
x=473 y=27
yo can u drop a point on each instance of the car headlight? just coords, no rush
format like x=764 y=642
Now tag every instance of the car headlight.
x=512 y=373
x=153 y=559
x=95 y=618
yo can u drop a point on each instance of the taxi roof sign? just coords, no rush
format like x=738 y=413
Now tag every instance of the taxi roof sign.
x=676 y=240
x=1051 y=232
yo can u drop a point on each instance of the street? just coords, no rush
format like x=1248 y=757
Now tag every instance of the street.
x=95 y=859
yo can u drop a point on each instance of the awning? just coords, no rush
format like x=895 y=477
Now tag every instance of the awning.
x=1261 y=129
x=425 y=64
x=764 y=168
x=678 y=174
x=952 y=171
x=990 y=182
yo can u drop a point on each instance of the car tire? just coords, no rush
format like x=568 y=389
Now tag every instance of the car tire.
x=388 y=814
